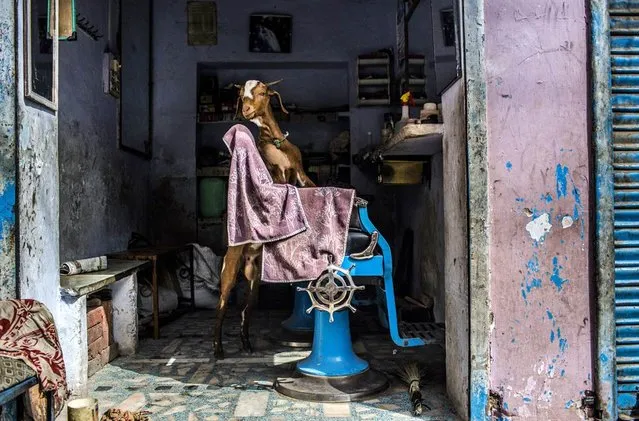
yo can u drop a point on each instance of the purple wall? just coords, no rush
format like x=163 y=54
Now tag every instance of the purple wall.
x=538 y=177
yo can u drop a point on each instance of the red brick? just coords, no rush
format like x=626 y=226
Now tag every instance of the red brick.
x=95 y=333
x=95 y=365
x=107 y=329
x=96 y=347
x=94 y=316
x=109 y=354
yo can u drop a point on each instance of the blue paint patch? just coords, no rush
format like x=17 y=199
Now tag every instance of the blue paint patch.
x=578 y=209
x=7 y=207
x=478 y=403
x=550 y=316
x=546 y=197
x=527 y=399
x=603 y=357
x=563 y=373
x=519 y=199
x=552 y=336
x=563 y=342
x=570 y=403
x=561 y=175
x=509 y=165
x=556 y=278
x=531 y=283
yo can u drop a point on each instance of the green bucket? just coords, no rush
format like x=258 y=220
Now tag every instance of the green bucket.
x=212 y=197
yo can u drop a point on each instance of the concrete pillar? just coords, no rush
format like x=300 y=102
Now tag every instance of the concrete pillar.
x=72 y=329
x=125 y=314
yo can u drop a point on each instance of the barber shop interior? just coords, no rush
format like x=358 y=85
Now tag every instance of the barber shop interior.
x=239 y=210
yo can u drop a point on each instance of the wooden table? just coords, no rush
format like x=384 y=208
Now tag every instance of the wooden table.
x=153 y=254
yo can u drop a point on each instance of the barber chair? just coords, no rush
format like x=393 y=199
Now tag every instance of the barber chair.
x=332 y=372
x=297 y=330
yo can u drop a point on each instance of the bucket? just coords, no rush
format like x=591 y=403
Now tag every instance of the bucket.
x=85 y=409
x=212 y=197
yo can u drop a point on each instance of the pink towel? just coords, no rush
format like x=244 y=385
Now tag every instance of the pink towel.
x=299 y=228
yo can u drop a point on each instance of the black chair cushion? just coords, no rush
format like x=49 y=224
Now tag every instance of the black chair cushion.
x=357 y=241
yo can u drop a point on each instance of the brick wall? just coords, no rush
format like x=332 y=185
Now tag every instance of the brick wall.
x=102 y=348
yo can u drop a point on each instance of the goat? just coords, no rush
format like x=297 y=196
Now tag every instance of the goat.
x=282 y=157
x=284 y=161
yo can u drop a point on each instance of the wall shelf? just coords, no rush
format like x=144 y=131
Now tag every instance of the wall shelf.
x=213 y=172
x=373 y=80
x=414 y=139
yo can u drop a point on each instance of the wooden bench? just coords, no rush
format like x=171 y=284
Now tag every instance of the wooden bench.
x=16 y=378
x=121 y=277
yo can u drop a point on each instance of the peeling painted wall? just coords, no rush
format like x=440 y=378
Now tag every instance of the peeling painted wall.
x=7 y=152
x=38 y=198
x=103 y=190
x=319 y=34
x=538 y=180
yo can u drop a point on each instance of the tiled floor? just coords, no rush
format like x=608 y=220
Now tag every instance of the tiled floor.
x=176 y=377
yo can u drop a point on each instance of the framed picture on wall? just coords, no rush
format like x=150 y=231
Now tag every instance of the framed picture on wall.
x=270 y=33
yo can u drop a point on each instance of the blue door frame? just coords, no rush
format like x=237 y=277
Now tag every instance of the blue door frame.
x=614 y=58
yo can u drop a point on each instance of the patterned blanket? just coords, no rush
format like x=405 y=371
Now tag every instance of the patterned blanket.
x=27 y=333
x=299 y=228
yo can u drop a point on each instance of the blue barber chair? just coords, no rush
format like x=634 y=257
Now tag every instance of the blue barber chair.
x=332 y=372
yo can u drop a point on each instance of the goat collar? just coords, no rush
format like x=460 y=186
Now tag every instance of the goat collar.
x=278 y=142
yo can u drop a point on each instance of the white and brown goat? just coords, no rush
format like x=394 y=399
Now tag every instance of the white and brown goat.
x=284 y=161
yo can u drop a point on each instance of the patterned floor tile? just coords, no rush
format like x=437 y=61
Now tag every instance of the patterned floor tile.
x=177 y=378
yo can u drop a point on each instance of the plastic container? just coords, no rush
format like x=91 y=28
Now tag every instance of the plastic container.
x=212 y=197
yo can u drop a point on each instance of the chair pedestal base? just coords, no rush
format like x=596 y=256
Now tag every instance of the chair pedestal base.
x=332 y=372
x=352 y=388
x=297 y=330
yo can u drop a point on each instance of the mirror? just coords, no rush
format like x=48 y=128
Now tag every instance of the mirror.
x=446 y=42
x=135 y=77
x=41 y=52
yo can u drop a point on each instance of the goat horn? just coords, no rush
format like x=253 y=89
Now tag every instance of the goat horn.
x=274 y=83
x=237 y=86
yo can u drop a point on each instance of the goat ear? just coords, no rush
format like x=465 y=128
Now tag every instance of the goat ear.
x=237 y=108
x=274 y=82
x=272 y=92
x=237 y=86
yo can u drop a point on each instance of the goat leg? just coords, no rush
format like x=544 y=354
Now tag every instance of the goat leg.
x=251 y=272
x=304 y=179
x=228 y=279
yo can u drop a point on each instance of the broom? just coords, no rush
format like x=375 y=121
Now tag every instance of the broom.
x=411 y=374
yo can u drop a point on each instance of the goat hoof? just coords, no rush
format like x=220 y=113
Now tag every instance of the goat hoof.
x=218 y=352
x=246 y=346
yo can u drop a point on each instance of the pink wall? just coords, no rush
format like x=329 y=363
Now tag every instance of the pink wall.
x=536 y=63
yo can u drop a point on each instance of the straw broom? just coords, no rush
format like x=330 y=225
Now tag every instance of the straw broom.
x=411 y=374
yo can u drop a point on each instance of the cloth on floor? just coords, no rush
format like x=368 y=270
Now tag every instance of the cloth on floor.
x=28 y=333
x=115 y=414
x=207 y=266
x=91 y=264
x=299 y=228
